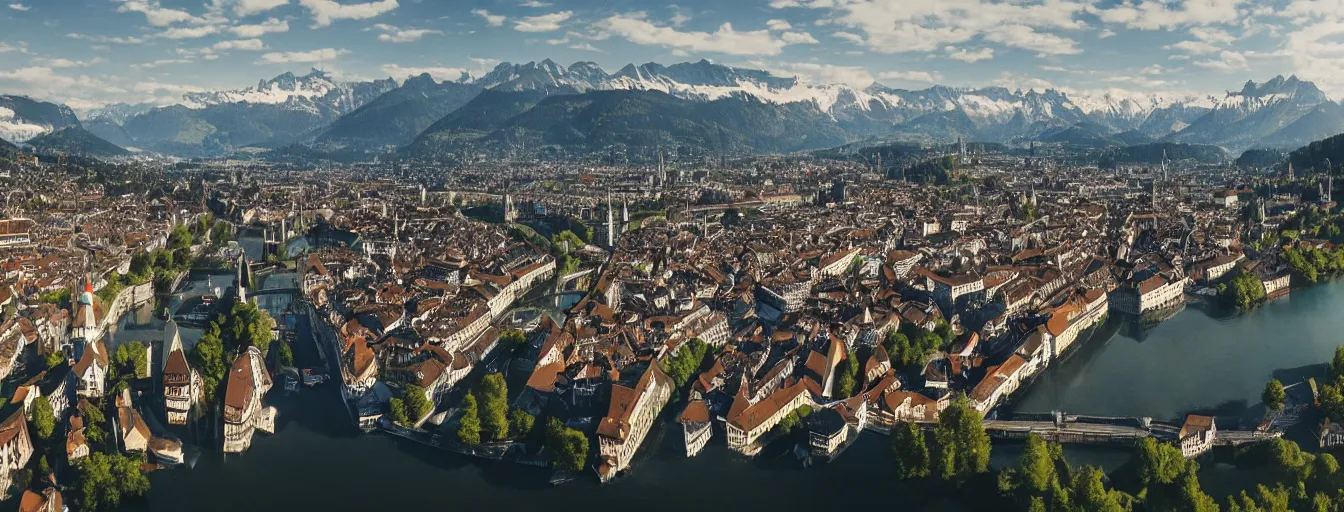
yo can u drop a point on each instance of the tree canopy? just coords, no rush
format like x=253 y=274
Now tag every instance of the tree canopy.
x=105 y=479
x=570 y=446
x=469 y=424
x=911 y=448
x=1273 y=396
x=492 y=395
x=961 y=446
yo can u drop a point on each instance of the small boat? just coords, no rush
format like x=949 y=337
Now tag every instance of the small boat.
x=166 y=451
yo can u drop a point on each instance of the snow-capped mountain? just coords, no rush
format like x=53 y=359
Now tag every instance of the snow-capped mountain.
x=1283 y=112
x=116 y=113
x=277 y=111
x=876 y=107
x=315 y=91
x=23 y=118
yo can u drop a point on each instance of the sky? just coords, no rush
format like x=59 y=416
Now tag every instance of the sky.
x=87 y=53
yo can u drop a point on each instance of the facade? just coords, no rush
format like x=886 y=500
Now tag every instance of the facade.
x=695 y=427
x=630 y=415
x=134 y=432
x=16 y=447
x=1197 y=435
x=248 y=382
x=752 y=422
x=999 y=382
x=91 y=370
x=181 y=382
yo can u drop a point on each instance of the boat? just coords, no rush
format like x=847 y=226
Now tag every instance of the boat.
x=166 y=451
x=313 y=377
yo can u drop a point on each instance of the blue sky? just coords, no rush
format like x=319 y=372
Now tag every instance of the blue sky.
x=90 y=52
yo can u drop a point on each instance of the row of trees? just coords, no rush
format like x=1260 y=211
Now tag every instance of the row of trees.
x=486 y=415
x=1158 y=476
x=960 y=446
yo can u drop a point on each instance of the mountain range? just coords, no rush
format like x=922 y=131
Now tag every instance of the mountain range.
x=703 y=106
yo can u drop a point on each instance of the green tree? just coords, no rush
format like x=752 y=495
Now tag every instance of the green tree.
x=683 y=365
x=493 y=396
x=1337 y=364
x=43 y=419
x=94 y=422
x=911 y=449
x=283 y=354
x=520 y=422
x=1273 y=395
x=961 y=446
x=417 y=406
x=513 y=338
x=469 y=425
x=103 y=480
x=1158 y=463
x=847 y=377
x=179 y=238
x=396 y=411
x=570 y=446
x=207 y=357
x=1089 y=493
x=54 y=359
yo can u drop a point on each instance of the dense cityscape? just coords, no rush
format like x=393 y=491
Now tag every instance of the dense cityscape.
x=959 y=255
x=554 y=315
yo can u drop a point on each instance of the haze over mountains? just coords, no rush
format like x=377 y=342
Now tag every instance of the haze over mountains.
x=701 y=105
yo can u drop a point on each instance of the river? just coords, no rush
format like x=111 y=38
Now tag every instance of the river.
x=316 y=461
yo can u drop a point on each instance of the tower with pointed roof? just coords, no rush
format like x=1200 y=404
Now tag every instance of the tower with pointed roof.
x=243 y=280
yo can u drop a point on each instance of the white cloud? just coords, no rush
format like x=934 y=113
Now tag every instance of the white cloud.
x=543 y=23
x=726 y=40
x=679 y=19
x=439 y=74
x=535 y=3
x=1212 y=35
x=105 y=39
x=811 y=72
x=326 y=11
x=393 y=34
x=20 y=47
x=19 y=7
x=587 y=47
x=1318 y=54
x=910 y=76
x=250 y=7
x=1106 y=33
x=1226 y=62
x=849 y=36
x=798 y=38
x=160 y=62
x=189 y=32
x=155 y=14
x=1027 y=38
x=969 y=56
x=778 y=24
x=311 y=56
x=155 y=87
x=271 y=25
x=1160 y=14
x=67 y=63
x=1193 y=47
x=891 y=26
x=249 y=45
x=493 y=20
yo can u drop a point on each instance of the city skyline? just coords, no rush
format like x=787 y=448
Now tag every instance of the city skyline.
x=86 y=53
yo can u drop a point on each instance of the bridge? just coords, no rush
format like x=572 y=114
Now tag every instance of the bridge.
x=1106 y=430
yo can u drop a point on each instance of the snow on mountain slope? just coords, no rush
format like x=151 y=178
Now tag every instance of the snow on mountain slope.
x=14 y=129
